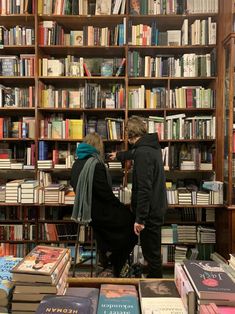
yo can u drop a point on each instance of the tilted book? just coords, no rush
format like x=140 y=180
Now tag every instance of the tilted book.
x=160 y=295
x=42 y=264
x=209 y=280
x=118 y=299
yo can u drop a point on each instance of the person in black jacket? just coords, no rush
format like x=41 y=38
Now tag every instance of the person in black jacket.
x=111 y=220
x=149 y=202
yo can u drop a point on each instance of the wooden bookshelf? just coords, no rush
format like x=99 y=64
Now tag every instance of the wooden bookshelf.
x=122 y=46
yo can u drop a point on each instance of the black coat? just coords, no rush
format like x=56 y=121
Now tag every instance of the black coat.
x=149 y=202
x=111 y=220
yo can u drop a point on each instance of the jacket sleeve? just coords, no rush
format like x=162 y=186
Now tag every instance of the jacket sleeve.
x=125 y=155
x=101 y=187
x=144 y=183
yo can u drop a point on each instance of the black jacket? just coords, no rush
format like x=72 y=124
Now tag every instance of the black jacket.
x=111 y=220
x=149 y=201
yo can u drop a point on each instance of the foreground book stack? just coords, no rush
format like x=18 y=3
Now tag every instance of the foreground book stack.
x=42 y=272
x=210 y=282
x=214 y=309
x=6 y=284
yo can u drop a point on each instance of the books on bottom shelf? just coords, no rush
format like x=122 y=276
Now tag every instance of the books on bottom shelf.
x=43 y=271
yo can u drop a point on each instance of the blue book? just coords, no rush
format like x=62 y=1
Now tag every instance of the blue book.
x=88 y=292
x=6 y=265
x=118 y=299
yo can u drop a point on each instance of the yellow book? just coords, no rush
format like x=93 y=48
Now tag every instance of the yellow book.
x=76 y=129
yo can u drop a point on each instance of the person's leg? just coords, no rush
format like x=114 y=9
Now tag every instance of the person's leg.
x=150 y=239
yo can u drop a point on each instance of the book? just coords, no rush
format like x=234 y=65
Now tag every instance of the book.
x=160 y=296
x=185 y=289
x=103 y=7
x=209 y=280
x=118 y=299
x=6 y=265
x=90 y=293
x=42 y=264
x=64 y=304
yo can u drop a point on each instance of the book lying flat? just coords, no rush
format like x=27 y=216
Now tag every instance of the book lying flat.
x=209 y=280
x=160 y=295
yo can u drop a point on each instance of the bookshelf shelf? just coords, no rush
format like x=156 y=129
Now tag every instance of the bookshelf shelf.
x=91 y=51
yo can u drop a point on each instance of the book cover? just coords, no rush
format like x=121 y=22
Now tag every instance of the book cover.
x=209 y=280
x=41 y=260
x=6 y=265
x=118 y=299
x=160 y=296
x=90 y=293
x=103 y=7
x=64 y=304
x=135 y=7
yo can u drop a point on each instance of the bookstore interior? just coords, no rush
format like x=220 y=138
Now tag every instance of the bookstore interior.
x=69 y=68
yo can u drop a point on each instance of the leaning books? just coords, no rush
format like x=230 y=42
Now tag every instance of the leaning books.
x=43 y=264
x=209 y=280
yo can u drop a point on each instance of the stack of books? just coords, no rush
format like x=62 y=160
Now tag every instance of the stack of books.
x=42 y=272
x=6 y=284
x=211 y=282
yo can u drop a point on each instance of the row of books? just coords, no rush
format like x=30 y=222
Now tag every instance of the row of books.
x=183 y=196
x=188 y=234
x=17 y=35
x=90 y=96
x=24 y=128
x=190 y=214
x=51 y=33
x=169 y=7
x=184 y=65
x=81 y=7
x=200 y=32
x=22 y=97
x=180 y=97
x=8 y=7
x=80 y=67
x=22 y=65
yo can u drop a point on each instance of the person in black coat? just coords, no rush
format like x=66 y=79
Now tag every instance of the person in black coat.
x=111 y=220
x=149 y=201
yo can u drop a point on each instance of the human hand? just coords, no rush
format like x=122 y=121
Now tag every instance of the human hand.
x=112 y=155
x=138 y=228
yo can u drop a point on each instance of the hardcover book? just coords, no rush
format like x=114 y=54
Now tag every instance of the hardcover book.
x=103 y=7
x=90 y=293
x=118 y=299
x=209 y=280
x=42 y=264
x=64 y=304
x=160 y=296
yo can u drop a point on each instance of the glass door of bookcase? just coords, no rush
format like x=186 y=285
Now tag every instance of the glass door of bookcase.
x=229 y=121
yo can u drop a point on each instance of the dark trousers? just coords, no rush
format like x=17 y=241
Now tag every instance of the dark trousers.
x=150 y=239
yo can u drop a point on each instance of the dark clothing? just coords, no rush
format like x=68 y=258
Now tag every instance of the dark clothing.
x=149 y=202
x=112 y=222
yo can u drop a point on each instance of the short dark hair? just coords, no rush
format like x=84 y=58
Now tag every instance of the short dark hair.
x=136 y=127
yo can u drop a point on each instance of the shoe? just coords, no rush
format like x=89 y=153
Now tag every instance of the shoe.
x=103 y=259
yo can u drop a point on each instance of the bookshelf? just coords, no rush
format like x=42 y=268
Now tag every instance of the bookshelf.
x=93 y=71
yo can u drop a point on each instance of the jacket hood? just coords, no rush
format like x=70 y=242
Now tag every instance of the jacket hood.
x=85 y=150
x=150 y=140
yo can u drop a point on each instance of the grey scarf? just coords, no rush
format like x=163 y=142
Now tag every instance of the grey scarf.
x=83 y=196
